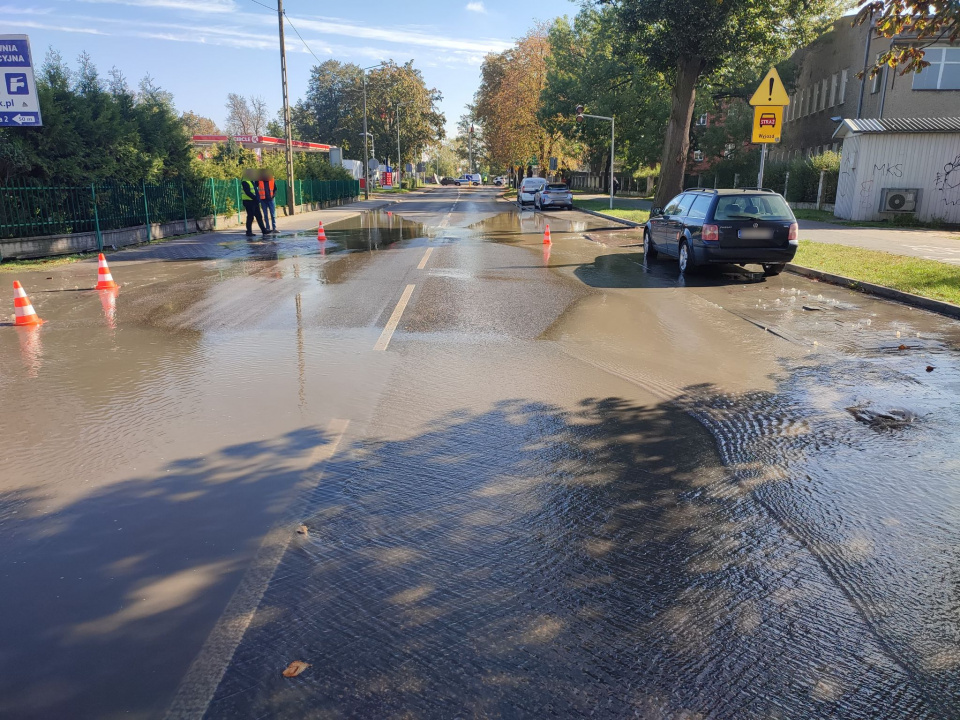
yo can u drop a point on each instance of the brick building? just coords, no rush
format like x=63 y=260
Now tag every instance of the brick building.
x=825 y=86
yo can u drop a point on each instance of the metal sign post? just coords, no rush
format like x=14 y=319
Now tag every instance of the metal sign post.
x=19 y=105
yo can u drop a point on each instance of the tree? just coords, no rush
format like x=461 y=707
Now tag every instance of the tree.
x=246 y=117
x=592 y=63
x=507 y=103
x=95 y=130
x=691 y=39
x=926 y=22
x=332 y=110
x=198 y=124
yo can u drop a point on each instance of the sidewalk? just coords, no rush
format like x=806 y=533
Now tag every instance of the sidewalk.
x=939 y=245
x=231 y=241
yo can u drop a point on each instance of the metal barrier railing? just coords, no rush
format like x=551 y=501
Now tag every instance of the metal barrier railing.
x=37 y=211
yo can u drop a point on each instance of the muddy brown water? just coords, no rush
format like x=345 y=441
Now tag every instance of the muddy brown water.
x=681 y=518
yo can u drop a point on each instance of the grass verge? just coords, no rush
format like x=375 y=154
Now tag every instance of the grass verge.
x=928 y=278
x=603 y=206
x=510 y=193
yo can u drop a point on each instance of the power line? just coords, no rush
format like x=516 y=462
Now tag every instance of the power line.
x=273 y=9
x=299 y=36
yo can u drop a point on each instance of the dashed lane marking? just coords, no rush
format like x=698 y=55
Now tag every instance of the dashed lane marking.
x=394 y=319
x=426 y=256
x=199 y=685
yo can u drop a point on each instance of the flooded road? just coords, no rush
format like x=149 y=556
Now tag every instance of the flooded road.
x=530 y=481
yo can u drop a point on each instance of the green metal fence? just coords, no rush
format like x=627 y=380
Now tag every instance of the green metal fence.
x=37 y=211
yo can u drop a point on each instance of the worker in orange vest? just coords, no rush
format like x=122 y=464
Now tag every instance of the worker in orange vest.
x=267 y=188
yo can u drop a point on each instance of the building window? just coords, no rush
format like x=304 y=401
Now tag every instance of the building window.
x=843 y=86
x=944 y=70
x=698 y=155
x=728 y=149
x=823 y=94
x=702 y=119
x=833 y=89
x=877 y=81
x=814 y=91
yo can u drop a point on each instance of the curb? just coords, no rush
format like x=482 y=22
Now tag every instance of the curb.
x=937 y=306
x=629 y=223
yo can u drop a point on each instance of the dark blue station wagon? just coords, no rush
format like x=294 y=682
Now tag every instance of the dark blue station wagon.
x=741 y=226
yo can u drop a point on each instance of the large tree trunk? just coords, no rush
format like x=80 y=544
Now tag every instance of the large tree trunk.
x=676 y=145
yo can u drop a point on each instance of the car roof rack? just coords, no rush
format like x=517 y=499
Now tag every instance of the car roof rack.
x=713 y=190
x=755 y=188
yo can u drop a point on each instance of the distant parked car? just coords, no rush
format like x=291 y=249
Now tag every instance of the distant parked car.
x=554 y=195
x=498 y=181
x=468 y=179
x=529 y=187
x=448 y=181
x=741 y=226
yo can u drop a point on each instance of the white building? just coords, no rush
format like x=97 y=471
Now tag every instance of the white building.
x=899 y=165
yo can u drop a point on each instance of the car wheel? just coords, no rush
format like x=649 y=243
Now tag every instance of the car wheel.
x=685 y=258
x=771 y=269
x=649 y=251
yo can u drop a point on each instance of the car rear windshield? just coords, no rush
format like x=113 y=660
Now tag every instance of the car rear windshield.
x=752 y=207
x=530 y=182
x=557 y=187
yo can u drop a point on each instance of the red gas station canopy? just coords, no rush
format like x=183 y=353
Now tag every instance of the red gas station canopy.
x=252 y=142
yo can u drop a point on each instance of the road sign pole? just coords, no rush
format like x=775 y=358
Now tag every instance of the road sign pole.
x=763 y=157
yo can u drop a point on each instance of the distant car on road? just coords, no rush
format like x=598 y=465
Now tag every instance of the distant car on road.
x=554 y=195
x=740 y=226
x=498 y=181
x=468 y=179
x=448 y=181
x=529 y=187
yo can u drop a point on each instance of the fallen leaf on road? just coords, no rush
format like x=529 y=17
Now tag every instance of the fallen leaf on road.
x=295 y=668
x=302 y=530
x=929 y=368
x=902 y=347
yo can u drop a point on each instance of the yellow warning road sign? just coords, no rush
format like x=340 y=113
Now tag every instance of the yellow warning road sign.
x=767 y=121
x=771 y=91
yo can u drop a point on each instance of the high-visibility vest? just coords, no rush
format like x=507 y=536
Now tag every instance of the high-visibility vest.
x=249 y=193
x=273 y=188
x=262 y=189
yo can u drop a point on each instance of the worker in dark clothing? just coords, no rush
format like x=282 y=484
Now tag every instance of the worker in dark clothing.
x=251 y=201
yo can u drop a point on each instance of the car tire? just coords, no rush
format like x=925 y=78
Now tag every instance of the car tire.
x=649 y=251
x=685 y=258
x=773 y=269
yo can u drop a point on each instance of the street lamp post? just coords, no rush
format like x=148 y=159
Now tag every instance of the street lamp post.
x=366 y=134
x=581 y=114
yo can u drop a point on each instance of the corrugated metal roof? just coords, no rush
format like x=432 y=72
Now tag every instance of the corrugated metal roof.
x=898 y=125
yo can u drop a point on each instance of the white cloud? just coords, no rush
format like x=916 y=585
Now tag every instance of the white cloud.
x=201 y=6
x=476 y=7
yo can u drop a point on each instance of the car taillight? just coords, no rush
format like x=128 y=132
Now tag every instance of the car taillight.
x=794 y=231
x=710 y=233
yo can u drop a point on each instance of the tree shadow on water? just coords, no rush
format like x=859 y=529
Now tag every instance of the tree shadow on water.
x=530 y=561
x=106 y=601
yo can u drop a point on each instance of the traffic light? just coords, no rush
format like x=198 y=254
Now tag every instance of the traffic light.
x=579 y=113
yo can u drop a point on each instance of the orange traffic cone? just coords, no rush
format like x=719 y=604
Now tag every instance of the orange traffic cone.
x=104 y=278
x=108 y=300
x=25 y=313
x=546 y=236
x=321 y=233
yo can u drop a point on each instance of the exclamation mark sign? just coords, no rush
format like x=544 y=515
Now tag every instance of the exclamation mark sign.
x=770 y=91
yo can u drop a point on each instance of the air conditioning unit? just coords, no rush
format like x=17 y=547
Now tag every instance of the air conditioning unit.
x=899 y=200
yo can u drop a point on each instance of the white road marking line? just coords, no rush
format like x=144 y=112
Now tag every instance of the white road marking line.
x=199 y=685
x=446 y=220
x=426 y=256
x=394 y=319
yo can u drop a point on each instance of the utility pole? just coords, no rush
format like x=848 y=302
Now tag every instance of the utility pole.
x=580 y=116
x=470 y=147
x=291 y=201
x=366 y=147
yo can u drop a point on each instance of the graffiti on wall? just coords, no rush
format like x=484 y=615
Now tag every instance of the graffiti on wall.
x=948 y=182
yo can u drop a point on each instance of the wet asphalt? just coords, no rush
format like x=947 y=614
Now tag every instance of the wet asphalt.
x=530 y=481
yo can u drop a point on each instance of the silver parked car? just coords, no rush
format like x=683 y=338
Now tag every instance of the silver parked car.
x=529 y=187
x=554 y=195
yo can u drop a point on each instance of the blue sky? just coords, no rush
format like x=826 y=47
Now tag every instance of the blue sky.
x=200 y=50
